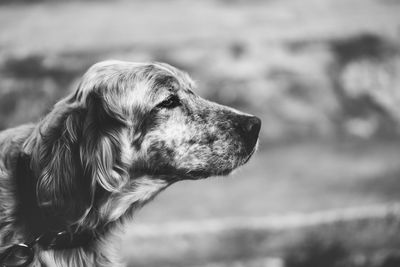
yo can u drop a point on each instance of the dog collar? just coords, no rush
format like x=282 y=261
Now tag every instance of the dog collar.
x=65 y=240
x=46 y=235
x=21 y=255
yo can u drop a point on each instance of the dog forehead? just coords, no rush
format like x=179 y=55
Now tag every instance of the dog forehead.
x=135 y=82
x=105 y=76
x=166 y=72
x=156 y=80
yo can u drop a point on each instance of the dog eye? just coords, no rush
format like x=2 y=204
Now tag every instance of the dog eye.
x=170 y=102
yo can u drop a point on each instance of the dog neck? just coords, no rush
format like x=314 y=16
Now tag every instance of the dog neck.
x=57 y=233
x=132 y=197
x=50 y=231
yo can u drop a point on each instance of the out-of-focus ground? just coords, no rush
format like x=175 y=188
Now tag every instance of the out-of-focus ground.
x=324 y=76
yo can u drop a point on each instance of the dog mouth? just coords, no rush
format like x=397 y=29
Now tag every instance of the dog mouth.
x=202 y=174
x=172 y=173
x=177 y=175
x=249 y=155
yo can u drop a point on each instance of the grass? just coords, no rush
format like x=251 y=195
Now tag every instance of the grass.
x=362 y=242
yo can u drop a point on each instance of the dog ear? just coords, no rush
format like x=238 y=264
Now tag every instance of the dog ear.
x=76 y=148
x=61 y=188
x=101 y=149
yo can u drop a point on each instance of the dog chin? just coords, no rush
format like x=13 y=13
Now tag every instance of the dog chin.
x=202 y=174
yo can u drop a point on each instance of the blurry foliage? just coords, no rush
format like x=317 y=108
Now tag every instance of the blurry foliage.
x=362 y=46
x=366 y=80
x=314 y=252
x=319 y=252
x=349 y=91
x=35 y=67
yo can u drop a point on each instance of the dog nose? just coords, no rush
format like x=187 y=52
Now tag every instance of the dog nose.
x=250 y=129
x=253 y=126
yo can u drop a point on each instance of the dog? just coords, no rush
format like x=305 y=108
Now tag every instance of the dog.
x=129 y=130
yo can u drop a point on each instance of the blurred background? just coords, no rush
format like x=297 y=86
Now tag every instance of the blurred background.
x=324 y=76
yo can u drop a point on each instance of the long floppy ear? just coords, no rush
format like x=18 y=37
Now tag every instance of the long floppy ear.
x=101 y=149
x=75 y=148
x=61 y=188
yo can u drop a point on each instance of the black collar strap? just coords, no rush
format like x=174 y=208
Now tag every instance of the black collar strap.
x=65 y=240
x=21 y=255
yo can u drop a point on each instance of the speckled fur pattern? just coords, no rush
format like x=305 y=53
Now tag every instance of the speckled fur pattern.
x=125 y=134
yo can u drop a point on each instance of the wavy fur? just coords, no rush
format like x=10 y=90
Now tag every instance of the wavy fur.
x=126 y=133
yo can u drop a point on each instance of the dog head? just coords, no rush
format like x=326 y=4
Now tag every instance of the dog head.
x=128 y=120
